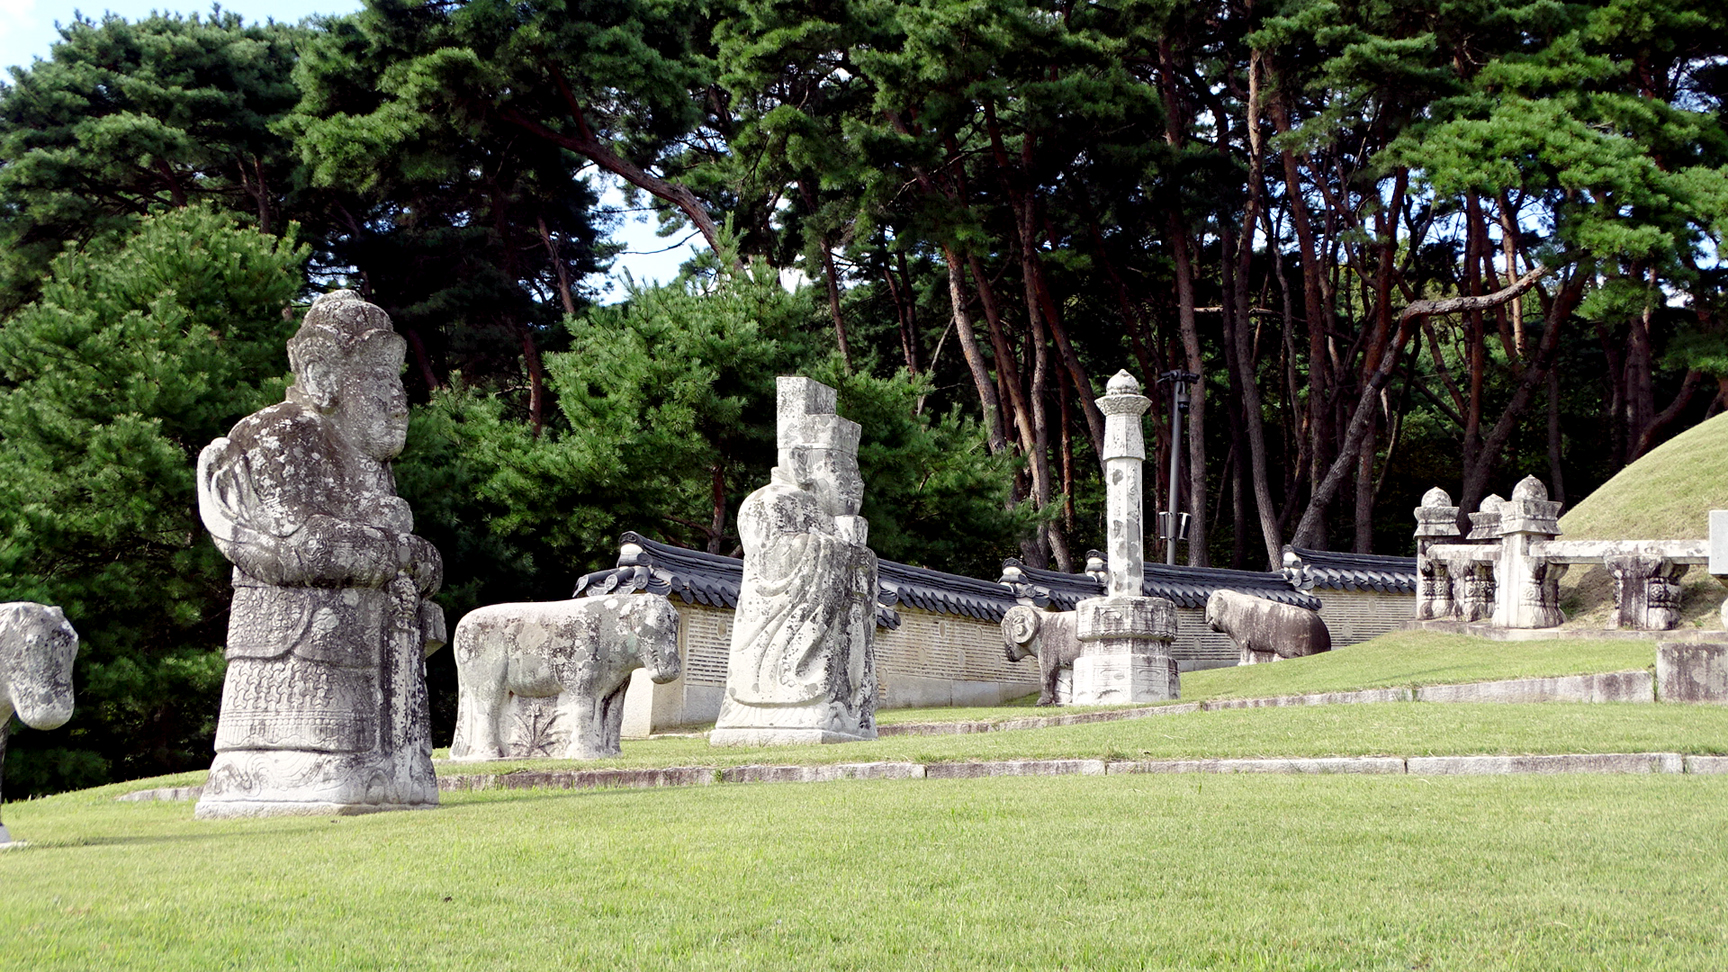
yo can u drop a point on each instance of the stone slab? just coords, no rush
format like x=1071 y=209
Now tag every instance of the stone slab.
x=1707 y=765
x=165 y=793
x=1692 y=672
x=1630 y=686
x=1318 y=698
x=1014 y=767
x=241 y=809
x=1373 y=765
x=933 y=728
x=781 y=736
x=1493 y=633
x=580 y=779
x=1565 y=763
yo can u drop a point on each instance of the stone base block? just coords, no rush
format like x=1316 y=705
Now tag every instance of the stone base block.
x=1141 y=618
x=236 y=809
x=819 y=721
x=1692 y=673
x=1125 y=678
x=780 y=736
x=259 y=783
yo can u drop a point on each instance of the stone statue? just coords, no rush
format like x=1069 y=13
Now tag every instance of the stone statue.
x=1265 y=631
x=802 y=666
x=37 y=647
x=324 y=708
x=579 y=652
x=1048 y=634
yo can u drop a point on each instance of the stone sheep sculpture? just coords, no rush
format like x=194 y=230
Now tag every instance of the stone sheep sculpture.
x=1265 y=631
x=37 y=647
x=1050 y=636
x=580 y=651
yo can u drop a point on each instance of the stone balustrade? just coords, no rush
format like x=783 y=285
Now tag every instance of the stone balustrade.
x=1507 y=569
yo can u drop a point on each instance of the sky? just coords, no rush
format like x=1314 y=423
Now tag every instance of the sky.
x=27 y=32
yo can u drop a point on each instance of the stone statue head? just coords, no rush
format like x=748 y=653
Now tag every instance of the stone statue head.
x=832 y=475
x=347 y=362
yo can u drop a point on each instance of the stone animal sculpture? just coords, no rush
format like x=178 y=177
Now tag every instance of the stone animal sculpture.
x=1050 y=636
x=36 y=651
x=1265 y=631
x=581 y=651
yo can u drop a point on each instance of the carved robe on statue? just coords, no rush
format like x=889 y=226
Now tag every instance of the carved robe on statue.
x=324 y=707
x=802 y=664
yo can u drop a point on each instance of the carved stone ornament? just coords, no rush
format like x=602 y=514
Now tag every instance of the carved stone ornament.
x=37 y=647
x=802 y=667
x=548 y=678
x=324 y=706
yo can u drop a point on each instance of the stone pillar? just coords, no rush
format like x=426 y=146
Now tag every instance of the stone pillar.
x=1125 y=512
x=1529 y=586
x=1475 y=590
x=1436 y=523
x=1124 y=636
x=1646 y=590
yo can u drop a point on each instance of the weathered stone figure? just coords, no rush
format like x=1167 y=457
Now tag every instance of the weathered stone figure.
x=324 y=708
x=1048 y=634
x=37 y=647
x=579 y=653
x=1265 y=631
x=802 y=667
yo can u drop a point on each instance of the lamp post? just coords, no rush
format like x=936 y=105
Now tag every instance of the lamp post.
x=1171 y=525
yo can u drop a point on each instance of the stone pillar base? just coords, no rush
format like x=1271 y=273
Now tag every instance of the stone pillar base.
x=1125 y=678
x=267 y=783
x=1125 y=651
x=816 y=722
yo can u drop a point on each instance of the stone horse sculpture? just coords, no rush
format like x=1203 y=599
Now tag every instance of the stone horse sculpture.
x=1049 y=635
x=580 y=652
x=1265 y=631
x=37 y=646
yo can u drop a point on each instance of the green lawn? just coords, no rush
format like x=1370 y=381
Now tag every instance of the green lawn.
x=1116 y=872
x=1135 y=872
x=1401 y=729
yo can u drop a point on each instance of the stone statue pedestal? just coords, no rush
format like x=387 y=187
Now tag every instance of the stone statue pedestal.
x=1125 y=651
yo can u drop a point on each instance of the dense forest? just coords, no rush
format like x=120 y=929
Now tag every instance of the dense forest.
x=1396 y=245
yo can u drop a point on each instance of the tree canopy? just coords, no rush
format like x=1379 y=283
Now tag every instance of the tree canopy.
x=1398 y=246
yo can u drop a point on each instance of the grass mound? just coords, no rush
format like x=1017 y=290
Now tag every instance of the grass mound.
x=1666 y=495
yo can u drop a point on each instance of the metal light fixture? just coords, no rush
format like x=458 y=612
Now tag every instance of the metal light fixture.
x=1173 y=526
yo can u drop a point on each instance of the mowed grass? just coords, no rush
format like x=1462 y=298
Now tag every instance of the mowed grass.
x=1400 y=659
x=1125 y=872
x=1396 y=729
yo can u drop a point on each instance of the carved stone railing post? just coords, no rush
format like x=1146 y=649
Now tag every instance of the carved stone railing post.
x=1474 y=589
x=1436 y=523
x=1646 y=590
x=1529 y=584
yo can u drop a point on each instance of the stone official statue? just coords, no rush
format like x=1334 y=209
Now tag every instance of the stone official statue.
x=324 y=708
x=802 y=665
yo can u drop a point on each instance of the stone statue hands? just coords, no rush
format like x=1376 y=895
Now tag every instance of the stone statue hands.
x=421 y=561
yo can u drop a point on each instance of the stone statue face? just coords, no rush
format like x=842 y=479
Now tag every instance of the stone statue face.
x=834 y=478
x=372 y=409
